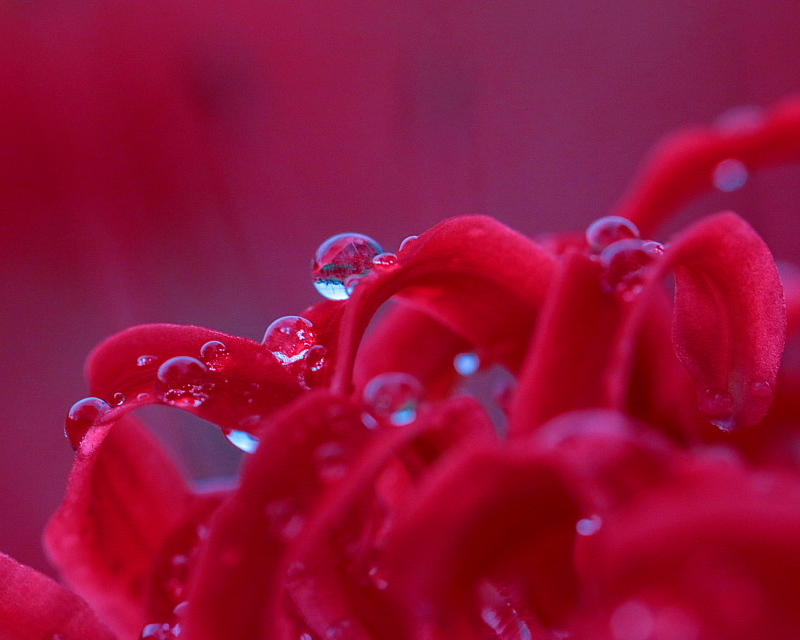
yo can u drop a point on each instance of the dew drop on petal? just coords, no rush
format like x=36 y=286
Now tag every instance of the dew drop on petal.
x=625 y=263
x=82 y=416
x=350 y=284
x=730 y=175
x=608 y=230
x=339 y=258
x=143 y=361
x=384 y=261
x=717 y=405
x=183 y=382
x=589 y=526
x=247 y=442
x=393 y=396
x=119 y=399
x=289 y=338
x=159 y=631
x=467 y=363
x=407 y=242
x=214 y=354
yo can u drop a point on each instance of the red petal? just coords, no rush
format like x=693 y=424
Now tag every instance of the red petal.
x=571 y=348
x=474 y=275
x=250 y=381
x=730 y=318
x=34 y=607
x=487 y=511
x=683 y=165
x=125 y=496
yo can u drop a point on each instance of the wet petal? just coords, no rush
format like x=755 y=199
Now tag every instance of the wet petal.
x=474 y=275
x=125 y=497
x=730 y=317
x=34 y=607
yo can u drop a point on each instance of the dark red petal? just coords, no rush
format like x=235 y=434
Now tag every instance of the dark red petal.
x=571 y=347
x=250 y=381
x=34 y=607
x=683 y=164
x=730 y=317
x=486 y=511
x=125 y=496
x=326 y=316
x=239 y=570
x=474 y=275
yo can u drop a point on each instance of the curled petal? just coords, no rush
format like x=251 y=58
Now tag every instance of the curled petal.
x=124 y=499
x=730 y=317
x=248 y=381
x=34 y=607
x=474 y=275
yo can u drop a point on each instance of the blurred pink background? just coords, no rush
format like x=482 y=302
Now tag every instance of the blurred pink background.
x=180 y=161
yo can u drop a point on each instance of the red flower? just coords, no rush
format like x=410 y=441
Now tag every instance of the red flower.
x=640 y=491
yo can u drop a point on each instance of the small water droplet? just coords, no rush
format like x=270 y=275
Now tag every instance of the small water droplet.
x=180 y=608
x=393 y=396
x=159 y=631
x=143 y=396
x=119 y=399
x=143 y=361
x=315 y=362
x=332 y=460
x=407 y=242
x=215 y=354
x=289 y=338
x=717 y=405
x=467 y=363
x=384 y=261
x=243 y=440
x=184 y=382
x=626 y=262
x=339 y=258
x=589 y=526
x=730 y=175
x=82 y=416
x=608 y=230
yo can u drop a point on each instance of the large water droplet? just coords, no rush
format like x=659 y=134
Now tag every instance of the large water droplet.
x=247 y=442
x=606 y=231
x=215 y=354
x=339 y=258
x=82 y=416
x=393 y=397
x=183 y=382
x=290 y=338
x=467 y=363
x=626 y=262
x=730 y=175
x=717 y=405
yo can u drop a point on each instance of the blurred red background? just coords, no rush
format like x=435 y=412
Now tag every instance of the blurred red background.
x=180 y=161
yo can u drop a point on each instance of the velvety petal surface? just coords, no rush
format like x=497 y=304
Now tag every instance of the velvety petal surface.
x=34 y=607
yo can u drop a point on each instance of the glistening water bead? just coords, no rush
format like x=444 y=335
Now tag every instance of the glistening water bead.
x=393 y=397
x=289 y=338
x=340 y=258
x=82 y=416
x=183 y=382
x=604 y=232
x=214 y=354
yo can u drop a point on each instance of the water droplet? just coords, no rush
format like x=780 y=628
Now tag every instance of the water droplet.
x=183 y=382
x=717 y=405
x=393 y=396
x=332 y=460
x=350 y=284
x=626 y=262
x=143 y=361
x=384 y=261
x=215 y=354
x=143 y=396
x=340 y=631
x=180 y=608
x=408 y=241
x=315 y=362
x=159 y=631
x=290 y=338
x=632 y=621
x=118 y=399
x=82 y=416
x=339 y=258
x=606 y=231
x=589 y=526
x=243 y=440
x=467 y=363
x=730 y=175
